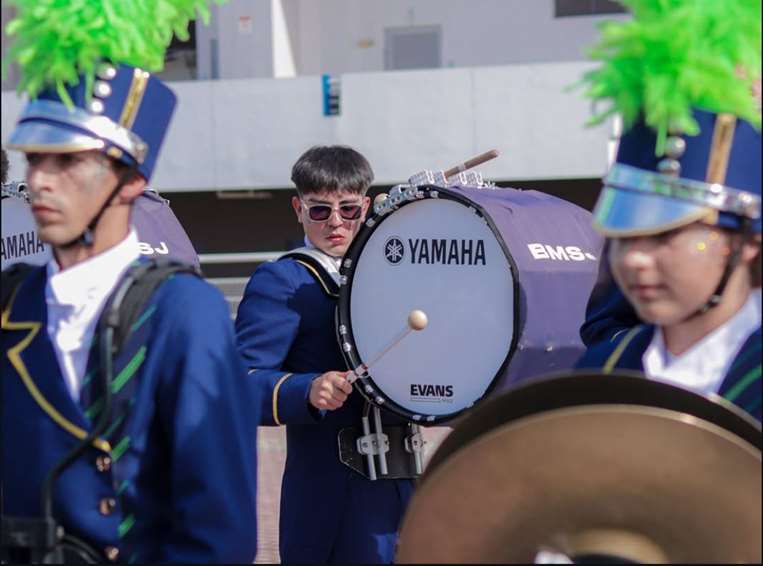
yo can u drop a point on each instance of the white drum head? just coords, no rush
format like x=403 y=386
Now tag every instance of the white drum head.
x=440 y=256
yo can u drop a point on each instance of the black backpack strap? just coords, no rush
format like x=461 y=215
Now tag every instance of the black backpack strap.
x=12 y=278
x=316 y=270
x=136 y=288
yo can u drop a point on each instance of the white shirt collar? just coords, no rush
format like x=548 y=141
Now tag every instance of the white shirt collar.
x=703 y=367
x=330 y=262
x=95 y=277
x=75 y=297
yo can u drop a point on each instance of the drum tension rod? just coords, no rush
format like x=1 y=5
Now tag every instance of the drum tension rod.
x=414 y=444
x=374 y=444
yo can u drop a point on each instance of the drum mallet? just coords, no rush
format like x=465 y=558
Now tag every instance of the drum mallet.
x=473 y=162
x=417 y=320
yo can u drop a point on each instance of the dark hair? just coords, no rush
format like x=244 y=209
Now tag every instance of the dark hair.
x=332 y=168
x=3 y=167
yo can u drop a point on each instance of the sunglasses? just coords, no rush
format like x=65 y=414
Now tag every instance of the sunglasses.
x=322 y=212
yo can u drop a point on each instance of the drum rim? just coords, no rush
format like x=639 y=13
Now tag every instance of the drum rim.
x=342 y=313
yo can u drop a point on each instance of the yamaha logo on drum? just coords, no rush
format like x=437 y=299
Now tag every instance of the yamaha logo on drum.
x=394 y=250
x=435 y=251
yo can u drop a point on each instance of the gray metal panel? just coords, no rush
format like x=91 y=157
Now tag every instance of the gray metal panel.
x=416 y=47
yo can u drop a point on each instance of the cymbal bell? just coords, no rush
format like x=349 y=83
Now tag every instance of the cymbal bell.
x=649 y=484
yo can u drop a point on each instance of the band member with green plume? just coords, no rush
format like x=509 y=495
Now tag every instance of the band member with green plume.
x=122 y=439
x=682 y=204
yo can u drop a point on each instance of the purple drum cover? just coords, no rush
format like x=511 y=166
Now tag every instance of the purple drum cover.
x=159 y=231
x=556 y=252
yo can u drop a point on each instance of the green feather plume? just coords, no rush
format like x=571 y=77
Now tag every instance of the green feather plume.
x=57 y=40
x=675 y=55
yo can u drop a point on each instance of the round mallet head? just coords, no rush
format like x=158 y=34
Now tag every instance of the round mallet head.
x=418 y=320
x=380 y=198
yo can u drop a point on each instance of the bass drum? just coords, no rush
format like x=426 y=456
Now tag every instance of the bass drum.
x=20 y=242
x=503 y=276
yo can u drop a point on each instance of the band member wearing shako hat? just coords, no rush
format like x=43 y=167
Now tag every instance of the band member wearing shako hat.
x=681 y=206
x=166 y=469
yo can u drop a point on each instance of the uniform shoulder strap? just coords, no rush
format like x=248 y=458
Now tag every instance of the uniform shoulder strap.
x=134 y=291
x=12 y=278
x=317 y=270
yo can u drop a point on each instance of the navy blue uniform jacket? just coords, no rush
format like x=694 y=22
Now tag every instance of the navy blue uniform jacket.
x=181 y=484
x=329 y=513
x=741 y=385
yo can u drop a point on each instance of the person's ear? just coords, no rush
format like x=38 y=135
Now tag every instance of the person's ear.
x=131 y=189
x=751 y=249
x=366 y=204
x=296 y=204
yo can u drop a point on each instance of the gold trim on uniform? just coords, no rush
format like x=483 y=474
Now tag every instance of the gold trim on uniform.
x=134 y=98
x=723 y=136
x=615 y=356
x=275 y=397
x=318 y=277
x=14 y=355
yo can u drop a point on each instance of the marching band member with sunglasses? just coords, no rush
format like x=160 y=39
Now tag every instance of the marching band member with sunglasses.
x=285 y=330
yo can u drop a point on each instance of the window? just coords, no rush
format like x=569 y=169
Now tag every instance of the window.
x=565 y=8
x=416 y=47
x=180 y=58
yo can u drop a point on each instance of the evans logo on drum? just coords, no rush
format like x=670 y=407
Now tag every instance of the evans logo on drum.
x=435 y=251
x=430 y=392
x=559 y=253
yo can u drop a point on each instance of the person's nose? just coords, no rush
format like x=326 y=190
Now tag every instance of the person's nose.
x=335 y=218
x=634 y=253
x=40 y=175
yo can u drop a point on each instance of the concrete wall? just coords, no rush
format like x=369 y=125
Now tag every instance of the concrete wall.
x=286 y=38
x=243 y=134
x=348 y=36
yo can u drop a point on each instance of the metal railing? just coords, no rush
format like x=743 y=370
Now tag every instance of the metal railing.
x=242 y=257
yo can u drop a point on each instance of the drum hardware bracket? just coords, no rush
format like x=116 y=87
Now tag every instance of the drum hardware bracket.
x=414 y=443
x=374 y=444
x=369 y=444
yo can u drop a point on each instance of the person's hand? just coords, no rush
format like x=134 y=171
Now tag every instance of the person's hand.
x=330 y=390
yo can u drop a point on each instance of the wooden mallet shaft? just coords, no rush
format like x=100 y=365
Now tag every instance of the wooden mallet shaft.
x=473 y=162
x=417 y=320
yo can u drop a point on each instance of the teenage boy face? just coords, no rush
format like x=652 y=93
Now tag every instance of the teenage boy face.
x=67 y=190
x=331 y=219
x=668 y=276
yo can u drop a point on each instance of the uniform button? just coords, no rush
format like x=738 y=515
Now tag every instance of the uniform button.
x=103 y=463
x=111 y=552
x=107 y=505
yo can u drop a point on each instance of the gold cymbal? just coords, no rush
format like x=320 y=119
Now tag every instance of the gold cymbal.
x=646 y=483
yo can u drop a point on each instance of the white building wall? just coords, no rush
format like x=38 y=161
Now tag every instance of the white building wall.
x=238 y=42
x=242 y=134
x=347 y=36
